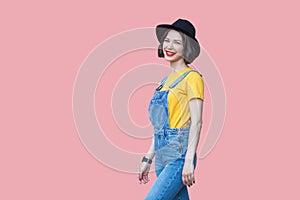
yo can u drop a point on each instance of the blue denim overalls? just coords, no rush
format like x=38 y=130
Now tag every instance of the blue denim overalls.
x=170 y=145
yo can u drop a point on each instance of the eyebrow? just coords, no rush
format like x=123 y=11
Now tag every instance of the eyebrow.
x=174 y=40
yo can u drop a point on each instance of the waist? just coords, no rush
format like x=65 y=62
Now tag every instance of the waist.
x=172 y=131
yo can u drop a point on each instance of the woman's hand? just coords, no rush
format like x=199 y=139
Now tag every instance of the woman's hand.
x=188 y=178
x=143 y=172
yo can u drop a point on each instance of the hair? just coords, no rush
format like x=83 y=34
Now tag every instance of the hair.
x=189 y=52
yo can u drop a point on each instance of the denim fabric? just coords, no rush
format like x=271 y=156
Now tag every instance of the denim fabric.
x=168 y=185
x=170 y=145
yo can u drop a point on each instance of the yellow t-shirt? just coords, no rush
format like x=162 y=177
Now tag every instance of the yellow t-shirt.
x=192 y=86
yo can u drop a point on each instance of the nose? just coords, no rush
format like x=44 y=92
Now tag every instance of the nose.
x=170 y=45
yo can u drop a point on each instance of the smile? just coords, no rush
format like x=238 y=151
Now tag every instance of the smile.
x=169 y=53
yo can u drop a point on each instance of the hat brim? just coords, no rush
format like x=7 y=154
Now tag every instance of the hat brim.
x=162 y=28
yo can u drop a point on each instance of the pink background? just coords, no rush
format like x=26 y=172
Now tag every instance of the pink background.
x=254 y=45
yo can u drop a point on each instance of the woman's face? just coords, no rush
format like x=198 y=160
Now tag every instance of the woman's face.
x=173 y=46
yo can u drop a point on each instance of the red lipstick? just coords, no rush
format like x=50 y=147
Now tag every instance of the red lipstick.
x=169 y=53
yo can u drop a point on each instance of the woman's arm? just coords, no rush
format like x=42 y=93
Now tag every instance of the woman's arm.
x=196 y=106
x=150 y=154
x=145 y=167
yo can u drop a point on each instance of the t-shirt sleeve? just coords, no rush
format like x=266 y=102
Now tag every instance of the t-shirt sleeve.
x=195 y=86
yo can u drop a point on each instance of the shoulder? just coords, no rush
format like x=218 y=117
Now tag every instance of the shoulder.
x=194 y=75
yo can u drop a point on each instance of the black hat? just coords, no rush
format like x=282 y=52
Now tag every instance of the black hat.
x=181 y=25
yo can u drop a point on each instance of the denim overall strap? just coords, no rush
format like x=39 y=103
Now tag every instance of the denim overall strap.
x=161 y=84
x=182 y=77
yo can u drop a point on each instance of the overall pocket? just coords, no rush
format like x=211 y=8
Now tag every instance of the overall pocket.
x=157 y=115
x=173 y=149
x=174 y=142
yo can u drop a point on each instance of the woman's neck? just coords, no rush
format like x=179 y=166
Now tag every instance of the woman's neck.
x=178 y=65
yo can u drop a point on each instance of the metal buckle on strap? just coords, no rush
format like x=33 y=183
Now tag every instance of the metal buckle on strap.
x=159 y=87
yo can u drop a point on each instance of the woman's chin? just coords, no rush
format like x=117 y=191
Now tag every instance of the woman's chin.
x=171 y=59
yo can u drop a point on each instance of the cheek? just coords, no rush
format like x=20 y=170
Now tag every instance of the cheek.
x=164 y=45
x=179 y=50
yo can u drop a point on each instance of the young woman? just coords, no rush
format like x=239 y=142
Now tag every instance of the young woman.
x=175 y=112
